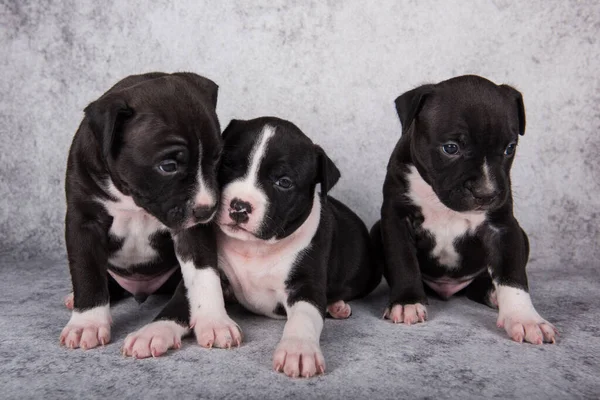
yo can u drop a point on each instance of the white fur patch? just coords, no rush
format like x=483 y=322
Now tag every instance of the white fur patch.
x=304 y=322
x=257 y=270
x=134 y=225
x=487 y=179
x=298 y=353
x=515 y=302
x=246 y=189
x=87 y=329
x=204 y=196
x=444 y=224
x=208 y=316
x=203 y=289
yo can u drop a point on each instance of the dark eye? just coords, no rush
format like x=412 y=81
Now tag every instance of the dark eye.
x=450 y=148
x=168 y=166
x=510 y=149
x=284 y=183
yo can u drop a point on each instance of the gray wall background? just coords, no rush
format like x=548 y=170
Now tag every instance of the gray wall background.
x=332 y=67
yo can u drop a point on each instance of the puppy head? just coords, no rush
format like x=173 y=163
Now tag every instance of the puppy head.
x=463 y=135
x=268 y=176
x=160 y=141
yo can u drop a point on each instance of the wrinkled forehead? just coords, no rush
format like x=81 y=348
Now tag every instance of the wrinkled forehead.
x=484 y=117
x=288 y=155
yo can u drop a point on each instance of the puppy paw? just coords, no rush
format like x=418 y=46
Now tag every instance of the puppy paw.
x=87 y=329
x=339 y=310
x=220 y=331
x=298 y=358
x=68 y=301
x=154 y=339
x=529 y=328
x=408 y=314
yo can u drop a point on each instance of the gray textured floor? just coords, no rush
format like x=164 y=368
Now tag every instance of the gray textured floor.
x=459 y=353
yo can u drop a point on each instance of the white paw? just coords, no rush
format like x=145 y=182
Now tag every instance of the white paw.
x=520 y=319
x=154 y=339
x=339 y=310
x=216 y=331
x=68 y=301
x=298 y=357
x=527 y=327
x=408 y=313
x=87 y=329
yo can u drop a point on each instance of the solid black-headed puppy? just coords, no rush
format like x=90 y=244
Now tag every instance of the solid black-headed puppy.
x=141 y=185
x=286 y=249
x=447 y=215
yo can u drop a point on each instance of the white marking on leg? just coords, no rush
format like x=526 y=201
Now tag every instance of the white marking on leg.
x=87 y=329
x=519 y=318
x=298 y=353
x=246 y=189
x=208 y=316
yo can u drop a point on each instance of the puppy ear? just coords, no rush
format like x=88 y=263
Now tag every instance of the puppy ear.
x=106 y=117
x=234 y=125
x=409 y=104
x=518 y=99
x=205 y=84
x=327 y=172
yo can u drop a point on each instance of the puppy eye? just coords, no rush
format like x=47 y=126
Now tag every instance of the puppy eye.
x=450 y=148
x=510 y=149
x=284 y=183
x=168 y=166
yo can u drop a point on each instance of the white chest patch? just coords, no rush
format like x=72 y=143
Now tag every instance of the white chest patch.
x=257 y=270
x=444 y=225
x=135 y=226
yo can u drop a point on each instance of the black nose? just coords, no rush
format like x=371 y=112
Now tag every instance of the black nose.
x=239 y=210
x=203 y=212
x=484 y=196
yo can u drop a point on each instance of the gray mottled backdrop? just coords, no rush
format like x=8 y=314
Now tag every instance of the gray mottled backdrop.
x=334 y=68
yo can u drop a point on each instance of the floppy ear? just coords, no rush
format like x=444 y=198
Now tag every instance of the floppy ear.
x=409 y=104
x=205 y=84
x=106 y=117
x=234 y=125
x=518 y=99
x=327 y=174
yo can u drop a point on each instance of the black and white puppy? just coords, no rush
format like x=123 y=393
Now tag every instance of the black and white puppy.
x=141 y=175
x=447 y=215
x=285 y=249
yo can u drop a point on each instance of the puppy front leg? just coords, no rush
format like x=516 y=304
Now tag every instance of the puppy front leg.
x=401 y=270
x=197 y=254
x=516 y=313
x=298 y=352
x=89 y=325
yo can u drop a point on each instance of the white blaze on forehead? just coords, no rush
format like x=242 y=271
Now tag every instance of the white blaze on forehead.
x=258 y=153
x=247 y=189
x=487 y=181
x=205 y=196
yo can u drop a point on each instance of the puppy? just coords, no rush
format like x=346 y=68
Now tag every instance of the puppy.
x=140 y=186
x=447 y=215
x=286 y=250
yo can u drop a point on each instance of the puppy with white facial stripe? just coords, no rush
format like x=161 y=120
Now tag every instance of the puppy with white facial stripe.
x=285 y=249
x=447 y=215
x=141 y=188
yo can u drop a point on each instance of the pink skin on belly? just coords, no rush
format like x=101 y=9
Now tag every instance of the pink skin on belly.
x=139 y=284
x=446 y=287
